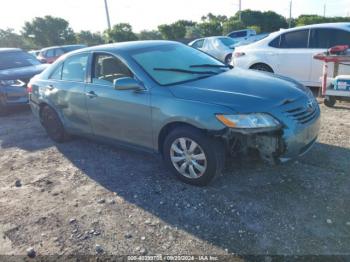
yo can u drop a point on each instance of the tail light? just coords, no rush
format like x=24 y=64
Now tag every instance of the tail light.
x=238 y=54
x=29 y=88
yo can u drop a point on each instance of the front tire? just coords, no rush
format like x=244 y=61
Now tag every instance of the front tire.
x=194 y=157
x=329 y=101
x=53 y=125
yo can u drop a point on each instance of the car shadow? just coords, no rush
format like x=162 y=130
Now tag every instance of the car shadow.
x=252 y=209
x=298 y=208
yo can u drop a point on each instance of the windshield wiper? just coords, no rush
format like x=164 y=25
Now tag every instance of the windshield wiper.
x=211 y=65
x=179 y=70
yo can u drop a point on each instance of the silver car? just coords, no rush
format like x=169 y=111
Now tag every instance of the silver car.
x=220 y=47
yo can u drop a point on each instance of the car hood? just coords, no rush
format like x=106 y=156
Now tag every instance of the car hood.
x=242 y=90
x=22 y=72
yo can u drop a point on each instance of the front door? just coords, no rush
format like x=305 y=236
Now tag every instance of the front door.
x=121 y=115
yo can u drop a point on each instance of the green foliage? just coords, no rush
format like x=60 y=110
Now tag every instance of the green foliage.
x=90 y=39
x=121 y=33
x=48 y=31
x=8 y=38
x=232 y=25
x=212 y=28
x=149 y=35
x=256 y=28
x=175 y=30
x=315 y=19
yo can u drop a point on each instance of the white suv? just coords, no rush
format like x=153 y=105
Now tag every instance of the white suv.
x=290 y=52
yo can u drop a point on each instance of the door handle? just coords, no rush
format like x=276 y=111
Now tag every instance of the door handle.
x=50 y=87
x=91 y=94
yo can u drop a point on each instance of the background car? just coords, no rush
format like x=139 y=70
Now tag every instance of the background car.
x=51 y=54
x=290 y=52
x=218 y=46
x=34 y=53
x=16 y=69
x=169 y=98
x=242 y=35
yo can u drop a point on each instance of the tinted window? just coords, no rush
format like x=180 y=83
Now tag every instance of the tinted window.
x=107 y=68
x=74 y=68
x=59 y=52
x=238 y=34
x=327 y=38
x=50 y=53
x=16 y=59
x=296 y=39
x=275 y=42
x=72 y=48
x=198 y=44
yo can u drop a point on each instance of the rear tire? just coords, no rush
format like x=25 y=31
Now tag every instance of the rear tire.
x=262 y=67
x=53 y=125
x=194 y=157
x=329 y=101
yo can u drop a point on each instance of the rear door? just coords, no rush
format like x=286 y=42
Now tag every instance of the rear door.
x=120 y=115
x=322 y=39
x=65 y=89
x=293 y=57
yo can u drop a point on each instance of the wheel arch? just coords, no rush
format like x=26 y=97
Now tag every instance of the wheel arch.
x=261 y=63
x=166 y=129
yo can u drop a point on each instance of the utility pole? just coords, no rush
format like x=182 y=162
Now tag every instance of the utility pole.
x=324 y=10
x=240 y=10
x=107 y=15
x=290 y=14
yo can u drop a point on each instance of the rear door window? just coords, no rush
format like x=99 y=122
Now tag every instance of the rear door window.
x=59 y=52
x=326 y=38
x=198 y=44
x=74 y=68
x=295 y=39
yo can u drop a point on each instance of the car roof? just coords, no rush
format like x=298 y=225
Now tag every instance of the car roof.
x=340 y=25
x=126 y=46
x=6 y=50
x=59 y=46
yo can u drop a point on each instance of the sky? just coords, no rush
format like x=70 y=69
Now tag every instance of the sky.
x=148 y=14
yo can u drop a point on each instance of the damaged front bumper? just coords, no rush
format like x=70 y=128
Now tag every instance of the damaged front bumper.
x=274 y=145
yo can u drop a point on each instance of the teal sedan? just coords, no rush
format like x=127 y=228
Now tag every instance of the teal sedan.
x=166 y=97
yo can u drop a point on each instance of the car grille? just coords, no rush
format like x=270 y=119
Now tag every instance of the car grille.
x=303 y=114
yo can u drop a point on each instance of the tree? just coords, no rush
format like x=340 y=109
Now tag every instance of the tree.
x=232 y=25
x=175 y=30
x=48 y=31
x=90 y=39
x=121 y=33
x=212 y=28
x=272 y=22
x=8 y=38
x=149 y=35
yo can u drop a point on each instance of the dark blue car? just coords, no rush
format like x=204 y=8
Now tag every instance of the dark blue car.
x=16 y=69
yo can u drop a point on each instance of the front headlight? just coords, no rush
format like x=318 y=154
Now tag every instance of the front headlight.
x=258 y=120
x=11 y=83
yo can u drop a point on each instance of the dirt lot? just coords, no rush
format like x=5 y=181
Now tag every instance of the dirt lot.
x=71 y=197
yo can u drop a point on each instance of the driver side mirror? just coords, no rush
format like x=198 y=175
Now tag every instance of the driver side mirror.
x=127 y=83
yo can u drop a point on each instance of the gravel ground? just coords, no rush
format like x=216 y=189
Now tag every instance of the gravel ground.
x=82 y=197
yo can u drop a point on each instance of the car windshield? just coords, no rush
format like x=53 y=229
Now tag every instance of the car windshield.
x=16 y=59
x=175 y=63
x=229 y=42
